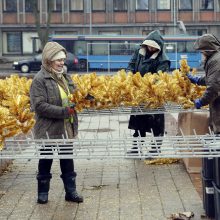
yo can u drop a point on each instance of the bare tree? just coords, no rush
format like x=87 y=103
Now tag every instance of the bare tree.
x=43 y=29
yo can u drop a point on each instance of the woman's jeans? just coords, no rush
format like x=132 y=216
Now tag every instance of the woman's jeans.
x=44 y=165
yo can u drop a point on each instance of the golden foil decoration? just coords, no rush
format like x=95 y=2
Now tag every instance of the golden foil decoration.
x=161 y=161
x=15 y=114
x=121 y=89
x=127 y=89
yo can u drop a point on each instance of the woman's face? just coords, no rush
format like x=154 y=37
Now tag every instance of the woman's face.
x=57 y=65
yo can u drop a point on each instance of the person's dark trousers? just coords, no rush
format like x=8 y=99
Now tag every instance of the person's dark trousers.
x=137 y=133
x=69 y=181
x=44 y=175
x=155 y=147
x=158 y=131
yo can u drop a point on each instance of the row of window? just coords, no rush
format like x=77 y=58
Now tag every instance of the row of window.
x=100 y=5
x=23 y=42
x=119 y=47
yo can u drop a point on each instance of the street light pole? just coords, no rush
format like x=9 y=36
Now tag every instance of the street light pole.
x=174 y=17
x=90 y=17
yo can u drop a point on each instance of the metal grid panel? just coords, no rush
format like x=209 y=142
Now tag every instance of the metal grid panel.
x=107 y=136
x=138 y=110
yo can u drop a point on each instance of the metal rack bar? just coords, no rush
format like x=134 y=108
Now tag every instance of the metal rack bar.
x=171 y=147
x=138 y=110
x=107 y=136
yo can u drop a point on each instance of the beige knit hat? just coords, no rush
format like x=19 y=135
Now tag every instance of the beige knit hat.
x=60 y=55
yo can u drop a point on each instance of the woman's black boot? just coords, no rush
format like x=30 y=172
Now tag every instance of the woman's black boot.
x=43 y=188
x=69 y=181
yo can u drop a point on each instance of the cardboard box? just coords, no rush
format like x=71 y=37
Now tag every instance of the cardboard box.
x=191 y=123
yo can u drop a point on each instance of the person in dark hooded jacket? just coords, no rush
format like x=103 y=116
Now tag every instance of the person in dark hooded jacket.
x=209 y=46
x=150 y=57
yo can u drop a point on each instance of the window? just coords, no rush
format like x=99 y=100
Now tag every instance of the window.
x=29 y=5
x=196 y=32
x=80 y=48
x=185 y=4
x=10 y=5
x=190 y=47
x=97 y=48
x=142 y=5
x=76 y=5
x=170 y=47
x=56 y=5
x=13 y=42
x=207 y=4
x=163 y=4
x=120 y=5
x=185 y=47
x=122 y=48
x=181 y=47
x=98 y=5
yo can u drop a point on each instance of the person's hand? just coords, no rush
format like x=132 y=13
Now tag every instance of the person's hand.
x=193 y=79
x=90 y=97
x=71 y=108
x=198 y=103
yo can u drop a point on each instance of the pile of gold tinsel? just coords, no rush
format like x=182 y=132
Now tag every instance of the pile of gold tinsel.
x=161 y=161
x=127 y=89
x=15 y=114
x=122 y=89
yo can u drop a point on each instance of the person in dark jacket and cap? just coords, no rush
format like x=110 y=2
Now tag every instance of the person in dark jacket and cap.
x=55 y=118
x=209 y=46
x=150 y=57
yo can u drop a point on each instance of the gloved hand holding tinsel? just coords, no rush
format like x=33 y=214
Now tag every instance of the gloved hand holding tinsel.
x=90 y=97
x=71 y=108
x=193 y=79
x=198 y=103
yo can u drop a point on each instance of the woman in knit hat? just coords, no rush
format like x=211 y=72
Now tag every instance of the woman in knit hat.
x=55 y=117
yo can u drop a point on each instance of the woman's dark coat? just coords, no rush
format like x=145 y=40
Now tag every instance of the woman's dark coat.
x=46 y=100
x=211 y=96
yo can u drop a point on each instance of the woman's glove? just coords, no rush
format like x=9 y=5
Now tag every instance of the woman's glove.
x=71 y=109
x=198 y=103
x=193 y=79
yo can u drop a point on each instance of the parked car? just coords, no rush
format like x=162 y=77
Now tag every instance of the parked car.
x=34 y=63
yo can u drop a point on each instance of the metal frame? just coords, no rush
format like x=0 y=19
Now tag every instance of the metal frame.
x=104 y=134
x=193 y=146
x=139 y=110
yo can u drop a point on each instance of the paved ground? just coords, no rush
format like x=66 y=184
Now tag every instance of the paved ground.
x=112 y=189
x=116 y=189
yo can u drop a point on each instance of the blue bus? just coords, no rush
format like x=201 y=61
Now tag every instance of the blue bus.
x=101 y=52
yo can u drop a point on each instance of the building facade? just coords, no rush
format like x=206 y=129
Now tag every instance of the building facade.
x=113 y=17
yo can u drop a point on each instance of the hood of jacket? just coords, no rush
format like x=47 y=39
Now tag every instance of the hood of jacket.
x=207 y=42
x=155 y=36
x=49 y=51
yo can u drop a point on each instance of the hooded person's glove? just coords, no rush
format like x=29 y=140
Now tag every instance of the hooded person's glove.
x=193 y=79
x=71 y=108
x=90 y=97
x=198 y=103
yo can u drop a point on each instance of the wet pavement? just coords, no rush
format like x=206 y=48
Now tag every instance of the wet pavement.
x=112 y=189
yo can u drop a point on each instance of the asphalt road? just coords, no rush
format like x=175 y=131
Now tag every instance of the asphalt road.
x=7 y=70
x=7 y=73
